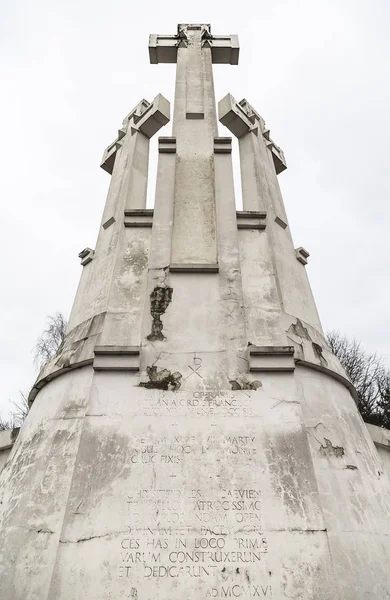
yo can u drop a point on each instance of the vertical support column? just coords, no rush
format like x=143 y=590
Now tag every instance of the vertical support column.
x=230 y=283
x=112 y=282
x=194 y=231
x=261 y=192
x=137 y=174
x=159 y=292
x=160 y=248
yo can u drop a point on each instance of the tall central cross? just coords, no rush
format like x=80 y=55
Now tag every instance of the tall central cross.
x=194 y=49
x=188 y=49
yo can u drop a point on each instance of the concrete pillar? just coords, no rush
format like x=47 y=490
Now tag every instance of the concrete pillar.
x=114 y=282
x=194 y=126
x=261 y=192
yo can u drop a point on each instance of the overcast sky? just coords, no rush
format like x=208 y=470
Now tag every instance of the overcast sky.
x=316 y=70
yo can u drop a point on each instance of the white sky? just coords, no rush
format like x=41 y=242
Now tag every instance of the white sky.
x=316 y=70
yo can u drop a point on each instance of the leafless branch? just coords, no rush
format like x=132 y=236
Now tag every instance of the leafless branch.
x=369 y=376
x=51 y=340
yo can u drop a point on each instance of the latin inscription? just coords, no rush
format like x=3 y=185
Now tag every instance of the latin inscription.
x=200 y=525
x=199 y=404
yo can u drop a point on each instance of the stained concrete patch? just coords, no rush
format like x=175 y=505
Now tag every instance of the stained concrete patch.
x=318 y=351
x=162 y=380
x=330 y=450
x=160 y=298
x=245 y=385
x=299 y=330
x=15 y=433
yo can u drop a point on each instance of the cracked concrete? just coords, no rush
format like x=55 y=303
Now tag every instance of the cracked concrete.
x=92 y=537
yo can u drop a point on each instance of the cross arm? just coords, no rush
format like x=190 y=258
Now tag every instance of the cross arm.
x=163 y=48
x=234 y=117
x=146 y=117
x=241 y=118
x=224 y=48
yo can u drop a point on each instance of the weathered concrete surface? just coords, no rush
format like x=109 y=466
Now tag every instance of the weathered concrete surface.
x=194 y=491
x=194 y=126
x=7 y=440
x=381 y=439
x=194 y=437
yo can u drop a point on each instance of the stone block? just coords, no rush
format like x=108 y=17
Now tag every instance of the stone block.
x=109 y=156
x=153 y=118
x=167 y=145
x=271 y=358
x=86 y=256
x=277 y=156
x=142 y=217
x=116 y=358
x=162 y=49
x=193 y=268
x=223 y=145
x=251 y=219
x=109 y=222
x=302 y=255
x=233 y=116
x=280 y=222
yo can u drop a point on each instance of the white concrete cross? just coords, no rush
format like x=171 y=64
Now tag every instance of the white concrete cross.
x=241 y=118
x=185 y=49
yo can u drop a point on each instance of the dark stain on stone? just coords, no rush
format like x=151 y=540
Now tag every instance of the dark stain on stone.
x=15 y=433
x=330 y=450
x=162 y=380
x=319 y=354
x=247 y=577
x=351 y=467
x=245 y=385
x=250 y=344
x=223 y=570
x=160 y=299
x=237 y=570
x=299 y=330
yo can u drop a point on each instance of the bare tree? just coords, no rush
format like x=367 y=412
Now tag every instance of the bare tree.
x=17 y=415
x=49 y=343
x=384 y=400
x=6 y=424
x=51 y=340
x=369 y=376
